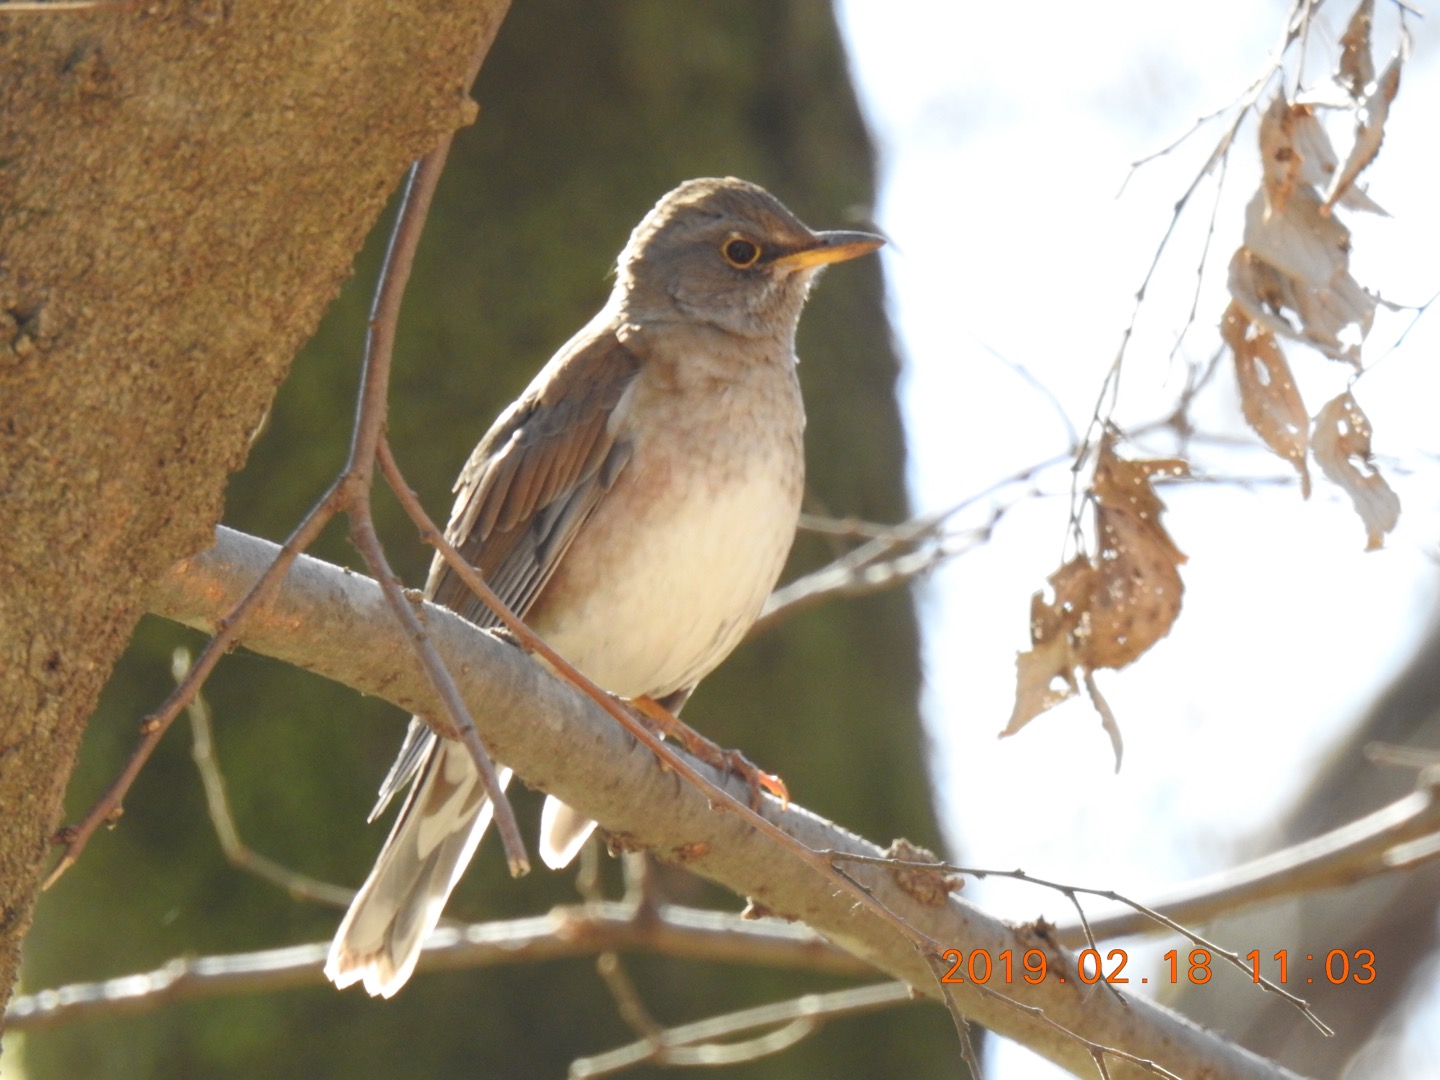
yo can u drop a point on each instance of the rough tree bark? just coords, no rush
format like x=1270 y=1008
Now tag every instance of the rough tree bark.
x=183 y=186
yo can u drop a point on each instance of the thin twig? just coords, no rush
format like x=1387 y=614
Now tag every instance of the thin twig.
x=1204 y=259
x=1073 y=892
x=368 y=433
x=1170 y=147
x=1034 y=382
x=1420 y=313
x=1295 y=23
x=851 y=528
x=240 y=855
x=108 y=807
x=890 y=556
x=1098 y=1051
x=697 y=1043
x=627 y=998
x=957 y=1016
x=563 y=932
x=1376 y=844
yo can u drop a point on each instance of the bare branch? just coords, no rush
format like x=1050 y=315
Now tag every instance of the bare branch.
x=1395 y=837
x=627 y=999
x=239 y=854
x=1073 y=894
x=226 y=632
x=358 y=476
x=894 y=555
x=699 y=1043
x=563 y=932
x=336 y=624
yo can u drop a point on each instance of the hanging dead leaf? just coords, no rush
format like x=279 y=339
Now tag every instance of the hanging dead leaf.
x=1292 y=273
x=1268 y=395
x=1104 y=611
x=1294 y=151
x=1301 y=243
x=1140 y=590
x=1045 y=675
x=1369 y=132
x=1071 y=587
x=1122 y=484
x=1341 y=445
x=1357 y=69
x=1298 y=262
x=1108 y=723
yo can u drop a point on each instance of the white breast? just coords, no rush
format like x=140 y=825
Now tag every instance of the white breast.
x=678 y=558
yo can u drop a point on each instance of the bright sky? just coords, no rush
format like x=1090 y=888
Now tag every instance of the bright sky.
x=1006 y=132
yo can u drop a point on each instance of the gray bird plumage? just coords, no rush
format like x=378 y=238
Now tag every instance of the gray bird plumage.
x=635 y=505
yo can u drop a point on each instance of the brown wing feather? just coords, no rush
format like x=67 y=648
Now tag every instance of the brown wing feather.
x=527 y=489
x=542 y=456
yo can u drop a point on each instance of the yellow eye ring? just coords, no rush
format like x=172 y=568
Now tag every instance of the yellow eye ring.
x=740 y=252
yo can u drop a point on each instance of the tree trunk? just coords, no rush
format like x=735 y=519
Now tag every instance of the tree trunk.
x=183 y=188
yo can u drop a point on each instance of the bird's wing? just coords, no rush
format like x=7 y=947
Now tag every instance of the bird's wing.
x=529 y=486
x=535 y=477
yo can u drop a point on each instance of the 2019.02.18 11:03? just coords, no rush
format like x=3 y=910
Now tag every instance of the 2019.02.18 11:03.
x=978 y=966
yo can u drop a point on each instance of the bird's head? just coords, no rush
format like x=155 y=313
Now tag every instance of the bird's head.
x=728 y=253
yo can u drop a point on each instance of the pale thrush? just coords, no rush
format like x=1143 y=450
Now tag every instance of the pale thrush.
x=635 y=506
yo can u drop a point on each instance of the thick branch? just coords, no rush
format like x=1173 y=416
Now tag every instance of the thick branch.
x=333 y=622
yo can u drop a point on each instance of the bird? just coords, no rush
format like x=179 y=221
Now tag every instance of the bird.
x=635 y=505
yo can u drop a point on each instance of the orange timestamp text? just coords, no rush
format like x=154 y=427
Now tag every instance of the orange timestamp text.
x=979 y=966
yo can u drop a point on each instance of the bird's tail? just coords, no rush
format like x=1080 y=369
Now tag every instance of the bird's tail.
x=429 y=847
x=563 y=832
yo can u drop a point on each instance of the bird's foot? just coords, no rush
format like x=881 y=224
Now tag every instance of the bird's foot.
x=663 y=722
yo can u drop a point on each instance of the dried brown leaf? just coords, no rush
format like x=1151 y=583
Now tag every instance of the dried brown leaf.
x=1108 y=723
x=1341 y=445
x=1139 y=588
x=1300 y=241
x=1295 y=151
x=1044 y=677
x=1122 y=484
x=1369 y=132
x=1268 y=395
x=1141 y=595
x=1357 y=68
x=1297 y=262
x=1071 y=587
x=1107 y=610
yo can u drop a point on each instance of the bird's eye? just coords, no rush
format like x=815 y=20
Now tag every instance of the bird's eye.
x=739 y=252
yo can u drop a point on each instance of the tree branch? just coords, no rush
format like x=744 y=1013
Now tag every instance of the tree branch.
x=1394 y=838
x=563 y=932
x=701 y=1043
x=335 y=623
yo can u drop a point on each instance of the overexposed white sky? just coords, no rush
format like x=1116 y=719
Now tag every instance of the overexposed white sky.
x=1005 y=134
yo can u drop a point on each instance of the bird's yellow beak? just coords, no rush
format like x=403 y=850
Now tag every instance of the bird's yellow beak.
x=831 y=247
